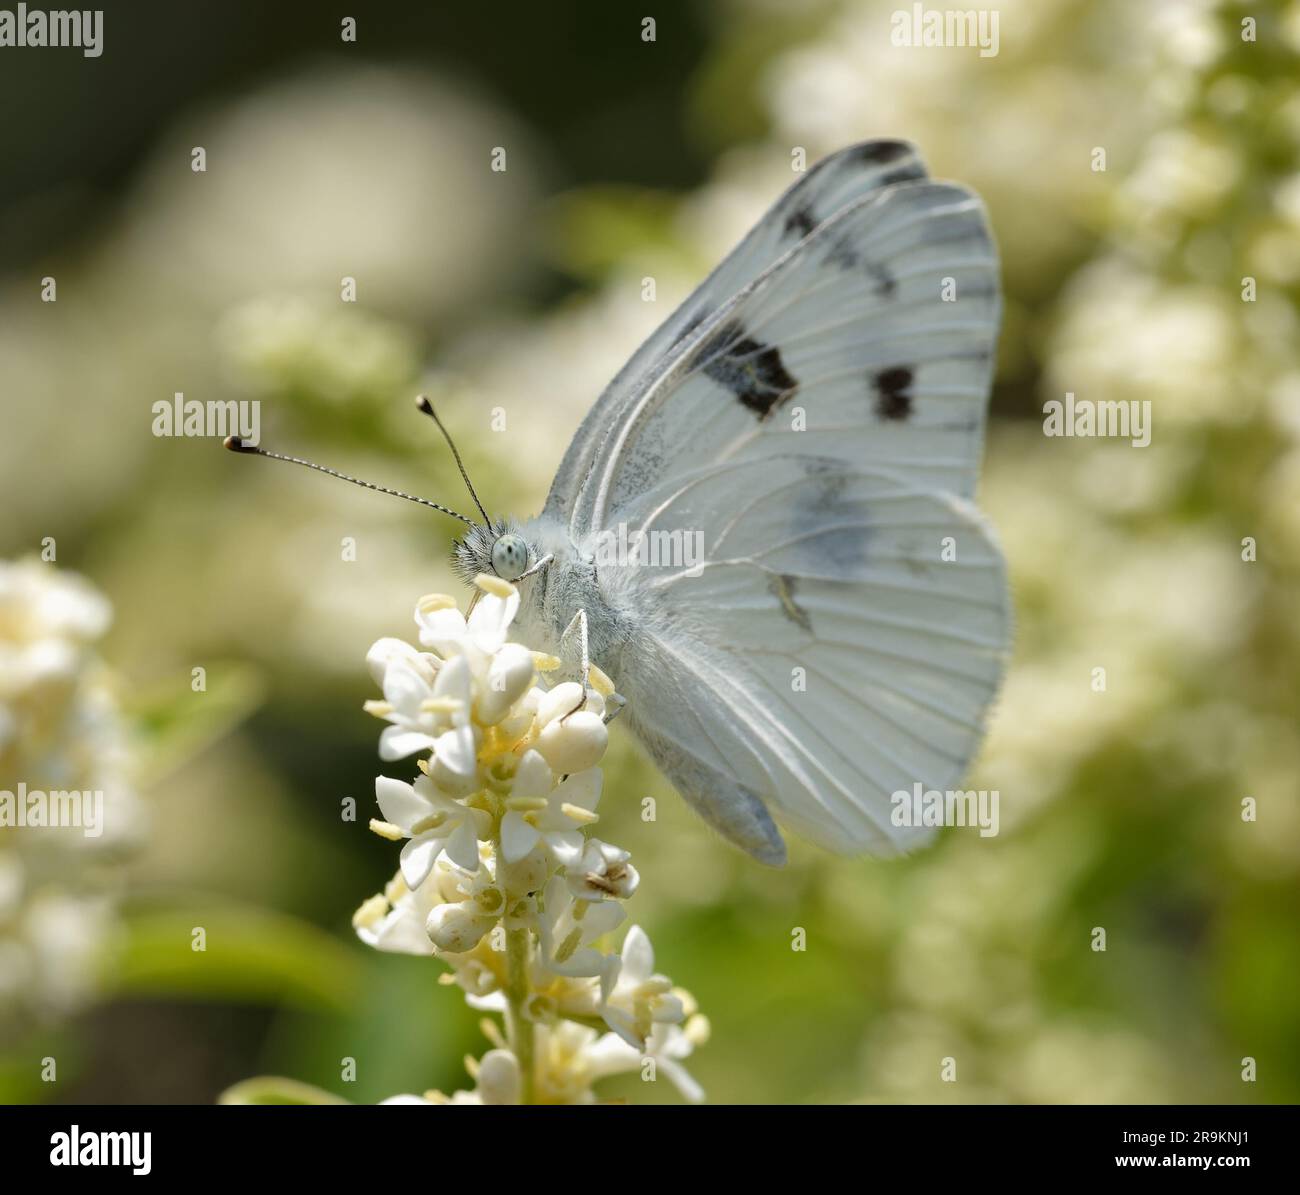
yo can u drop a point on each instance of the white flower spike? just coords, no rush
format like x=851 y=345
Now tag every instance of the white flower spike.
x=500 y=876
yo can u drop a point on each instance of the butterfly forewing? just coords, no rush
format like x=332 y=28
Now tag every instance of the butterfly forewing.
x=871 y=340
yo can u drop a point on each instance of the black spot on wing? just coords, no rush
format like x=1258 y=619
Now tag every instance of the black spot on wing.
x=753 y=372
x=843 y=255
x=881 y=153
x=882 y=281
x=800 y=222
x=892 y=388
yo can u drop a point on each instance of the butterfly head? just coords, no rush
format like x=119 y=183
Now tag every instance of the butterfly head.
x=495 y=547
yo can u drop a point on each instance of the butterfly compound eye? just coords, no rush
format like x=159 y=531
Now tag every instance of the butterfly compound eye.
x=510 y=557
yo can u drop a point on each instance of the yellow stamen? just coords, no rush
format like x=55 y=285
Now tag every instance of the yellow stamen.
x=698 y=1029
x=526 y=804
x=371 y=911
x=576 y=813
x=386 y=830
x=545 y=663
x=494 y=585
x=431 y=603
x=425 y=824
x=568 y=946
x=441 y=705
x=600 y=681
x=379 y=709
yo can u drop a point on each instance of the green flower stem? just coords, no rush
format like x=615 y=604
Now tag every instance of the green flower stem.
x=519 y=951
x=520 y=1029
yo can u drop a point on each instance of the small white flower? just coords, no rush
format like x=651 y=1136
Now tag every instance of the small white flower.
x=433 y=822
x=394 y=920
x=449 y=633
x=666 y=1044
x=569 y=806
x=566 y=935
x=640 y=998
x=603 y=873
x=471 y=907
x=564 y=1075
x=407 y=678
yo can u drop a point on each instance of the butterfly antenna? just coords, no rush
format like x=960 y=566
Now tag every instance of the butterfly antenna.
x=235 y=444
x=423 y=403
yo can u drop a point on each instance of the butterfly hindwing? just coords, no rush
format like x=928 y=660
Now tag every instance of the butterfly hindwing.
x=839 y=642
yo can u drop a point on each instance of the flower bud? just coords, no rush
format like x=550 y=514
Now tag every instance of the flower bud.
x=560 y=700
x=498 y=1078
x=457 y=928
x=574 y=744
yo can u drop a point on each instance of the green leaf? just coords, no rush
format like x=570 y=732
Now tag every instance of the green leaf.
x=272 y=1089
x=174 y=724
x=249 y=954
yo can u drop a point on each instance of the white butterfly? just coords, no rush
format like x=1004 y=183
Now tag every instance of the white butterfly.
x=813 y=416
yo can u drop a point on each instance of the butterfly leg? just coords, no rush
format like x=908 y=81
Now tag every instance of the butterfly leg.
x=614 y=705
x=574 y=642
